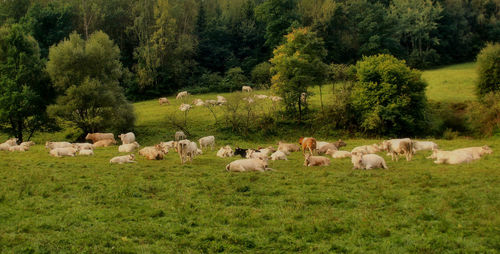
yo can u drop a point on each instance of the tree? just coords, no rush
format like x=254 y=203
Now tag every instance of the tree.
x=88 y=73
x=297 y=64
x=488 y=62
x=25 y=89
x=233 y=81
x=278 y=16
x=389 y=98
x=261 y=74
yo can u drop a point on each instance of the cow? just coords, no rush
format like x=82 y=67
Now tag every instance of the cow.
x=19 y=148
x=366 y=149
x=156 y=152
x=179 y=136
x=307 y=143
x=399 y=146
x=249 y=100
x=123 y=159
x=225 y=151
x=452 y=157
x=198 y=102
x=241 y=151
x=11 y=142
x=184 y=107
x=325 y=148
x=128 y=148
x=275 y=98
x=99 y=136
x=187 y=150
x=338 y=154
x=104 y=143
x=51 y=145
x=210 y=102
x=221 y=100
x=367 y=161
x=86 y=152
x=163 y=100
x=260 y=96
x=62 y=152
x=476 y=152
x=168 y=145
x=278 y=155
x=247 y=165
x=252 y=154
x=287 y=148
x=28 y=143
x=310 y=160
x=246 y=89
x=83 y=146
x=424 y=145
x=207 y=141
x=339 y=143
x=127 y=138
x=182 y=95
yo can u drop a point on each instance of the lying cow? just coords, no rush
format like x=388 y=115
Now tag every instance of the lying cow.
x=28 y=143
x=477 y=152
x=424 y=145
x=325 y=148
x=207 y=141
x=316 y=161
x=198 y=102
x=278 y=155
x=367 y=161
x=104 y=143
x=86 y=152
x=267 y=151
x=452 y=157
x=184 y=107
x=83 y=146
x=260 y=96
x=287 y=148
x=225 y=151
x=128 y=148
x=127 y=138
x=252 y=154
x=123 y=159
x=221 y=100
x=95 y=137
x=156 y=152
x=62 y=152
x=399 y=146
x=366 y=149
x=247 y=165
x=275 y=98
x=336 y=154
x=19 y=148
x=52 y=145
x=163 y=100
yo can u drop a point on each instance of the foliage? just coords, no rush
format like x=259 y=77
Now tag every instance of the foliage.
x=298 y=64
x=485 y=115
x=389 y=97
x=25 y=88
x=261 y=75
x=278 y=16
x=88 y=72
x=488 y=62
x=233 y=81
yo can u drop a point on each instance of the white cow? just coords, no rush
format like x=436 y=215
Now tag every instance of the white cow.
x=187 y=150
x=477 y=152
x=310 y=160
x=225 y=151
x=52 y=145
x=452 y=157
x=424 y=145
x=128 y=148
x=127 y=138
x=338 y=154
x=65 y=151
x=207 y=141
x=184 y=107
x=163 y=100
x=221 y=100
x=366 y=149
x=246 y=89
x=261 y=96
x=123 y=159
x=399 y=146
x=278 y=155
x=86 y=152
x=198 y=102
x=156 y=152
x=180 y=136
x=252 y=154
x=275 y=98
x=83 y=146
x=367 y=161
x=182 y=95
x=247 y=165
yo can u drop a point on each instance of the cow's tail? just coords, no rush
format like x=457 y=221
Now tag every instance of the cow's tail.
x=227 y=167
x=384 y=165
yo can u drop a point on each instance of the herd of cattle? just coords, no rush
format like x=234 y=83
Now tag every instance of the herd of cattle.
x=362 y=157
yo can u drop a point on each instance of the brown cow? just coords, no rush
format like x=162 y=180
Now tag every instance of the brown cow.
x=307 y=143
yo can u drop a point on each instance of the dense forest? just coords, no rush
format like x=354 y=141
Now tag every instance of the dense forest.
x=166 y=45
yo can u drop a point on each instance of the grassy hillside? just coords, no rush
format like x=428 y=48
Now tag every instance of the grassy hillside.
x=455 y=83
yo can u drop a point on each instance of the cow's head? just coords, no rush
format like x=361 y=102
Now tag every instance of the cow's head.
x=300 y=140
x=340 y=143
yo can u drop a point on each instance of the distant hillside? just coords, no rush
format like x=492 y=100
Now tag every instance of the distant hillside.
x=454 y=83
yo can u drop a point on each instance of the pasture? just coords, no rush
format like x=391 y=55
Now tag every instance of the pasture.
x=86 y=205
x=454 y=83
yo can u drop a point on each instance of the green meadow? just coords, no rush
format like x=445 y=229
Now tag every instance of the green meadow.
x=87 y=205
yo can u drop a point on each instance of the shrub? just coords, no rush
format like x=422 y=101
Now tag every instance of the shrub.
x=233 y=80
x=261 y=75
x=484 y=115
x=488 y=62
x=389 y=98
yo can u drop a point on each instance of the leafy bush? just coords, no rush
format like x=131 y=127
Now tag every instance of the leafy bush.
x=389 y=98
x=485 y=115
x=488 y=62
x=233 y=80
x=261 y=75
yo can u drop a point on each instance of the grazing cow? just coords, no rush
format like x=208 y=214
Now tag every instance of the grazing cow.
x=184 y=107
x=180 y=136
x=207 y=141
x=476 y=152
x=221 y=100
x=316 y=161
x=241 y=151
x=366 y=149
x=246 y=89
x=104 y=143
x=83 y=146
x=338 y=154
x=424 y=145
x=163 y=100
x=210 y=102
x=325 y=148
x=99 y=136
x=252 y=154
x=182 y=95
x=61 y=152
x=225 y=151
x=247 y=165
x=249 y=100
x=367 y=161
x=187 y=150
x=399 y=146
x=198 y=102
x=278 y=155
x=156 y=152
x=287 y=148
x=51 y=145
x=123 y=159
x=260 y=96
x=275 y=98
x=127 y=138
x=128 y=148
x=307 y=143
x=86 y=152
x=452 y=157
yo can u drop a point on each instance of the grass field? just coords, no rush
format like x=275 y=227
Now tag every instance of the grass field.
x=86 y=205
x=453 y=83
